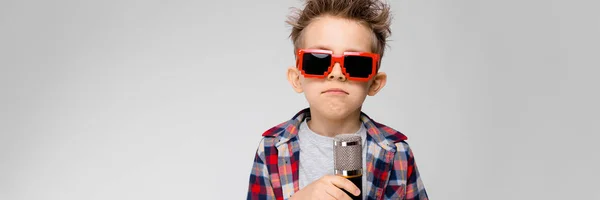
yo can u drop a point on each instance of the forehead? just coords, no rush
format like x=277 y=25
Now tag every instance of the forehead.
x=338 y=35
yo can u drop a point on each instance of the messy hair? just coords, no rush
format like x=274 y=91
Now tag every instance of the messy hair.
x=373 y=14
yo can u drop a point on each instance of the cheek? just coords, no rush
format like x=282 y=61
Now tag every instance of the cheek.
x=360 y=88
x=311 y=88
x=308 y=85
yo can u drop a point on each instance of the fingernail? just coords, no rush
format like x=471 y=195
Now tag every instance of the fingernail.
x=357 y=192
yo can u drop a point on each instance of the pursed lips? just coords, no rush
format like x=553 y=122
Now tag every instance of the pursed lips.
x=335 y=91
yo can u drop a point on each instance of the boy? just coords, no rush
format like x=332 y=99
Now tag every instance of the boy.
x=338 y=46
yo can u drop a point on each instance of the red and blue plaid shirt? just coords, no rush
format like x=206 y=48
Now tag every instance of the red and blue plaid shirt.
x=391 y=169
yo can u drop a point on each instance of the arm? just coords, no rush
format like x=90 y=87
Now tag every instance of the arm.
x=259 y=186
x=405 y=180
x=414 y=185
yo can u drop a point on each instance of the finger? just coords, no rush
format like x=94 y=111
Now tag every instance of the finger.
x=345 y=184
x=337 y=193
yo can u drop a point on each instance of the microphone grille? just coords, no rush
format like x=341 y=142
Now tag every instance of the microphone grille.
x=347 y=152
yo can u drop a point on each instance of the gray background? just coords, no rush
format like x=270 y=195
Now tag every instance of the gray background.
x=168 y=99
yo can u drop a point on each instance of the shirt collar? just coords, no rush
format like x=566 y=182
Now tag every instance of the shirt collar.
x=384 y=136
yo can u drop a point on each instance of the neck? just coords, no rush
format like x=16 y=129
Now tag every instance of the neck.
x=332 y=127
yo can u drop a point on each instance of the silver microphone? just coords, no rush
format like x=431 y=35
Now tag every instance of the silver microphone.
x=347 y=159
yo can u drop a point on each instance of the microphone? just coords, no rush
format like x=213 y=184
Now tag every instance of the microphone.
x=347 y=159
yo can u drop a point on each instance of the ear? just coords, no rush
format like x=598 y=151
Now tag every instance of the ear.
x=293 y=76
x=378 y=82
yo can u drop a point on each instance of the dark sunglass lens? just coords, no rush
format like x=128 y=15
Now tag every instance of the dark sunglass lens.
x=316 y=63
x=358 y=66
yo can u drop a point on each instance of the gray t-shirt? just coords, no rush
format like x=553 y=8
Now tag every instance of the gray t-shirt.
x=316 y=155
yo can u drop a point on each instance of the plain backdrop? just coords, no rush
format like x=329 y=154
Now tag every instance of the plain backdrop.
x=167 y=99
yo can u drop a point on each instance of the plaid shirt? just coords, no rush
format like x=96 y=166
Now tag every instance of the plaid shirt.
x=391 y=169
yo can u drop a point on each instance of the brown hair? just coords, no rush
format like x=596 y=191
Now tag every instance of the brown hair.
x=372 y=13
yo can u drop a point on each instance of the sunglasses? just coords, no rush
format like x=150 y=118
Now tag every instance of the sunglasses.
x=356 y=66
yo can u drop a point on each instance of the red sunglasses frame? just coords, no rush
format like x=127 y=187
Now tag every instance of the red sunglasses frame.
x=337 y=59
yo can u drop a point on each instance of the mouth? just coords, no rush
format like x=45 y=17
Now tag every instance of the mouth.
x=335 y=91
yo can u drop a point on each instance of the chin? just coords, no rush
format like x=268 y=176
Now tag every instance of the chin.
x=334 y=111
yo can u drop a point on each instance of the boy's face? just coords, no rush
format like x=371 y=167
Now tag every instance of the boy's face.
x=335 y=97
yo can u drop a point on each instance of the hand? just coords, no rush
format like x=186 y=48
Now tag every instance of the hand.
x=327 y=187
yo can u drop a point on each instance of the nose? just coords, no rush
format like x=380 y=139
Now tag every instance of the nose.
x=336 y=73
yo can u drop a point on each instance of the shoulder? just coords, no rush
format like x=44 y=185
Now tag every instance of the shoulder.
x=377 y=128
x=402 y=146
x=391 y=133
x=284 y=129
x=275 y=130
x=382 y=133
x=276 y=136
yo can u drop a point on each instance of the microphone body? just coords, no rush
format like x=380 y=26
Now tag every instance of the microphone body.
x=347 y=155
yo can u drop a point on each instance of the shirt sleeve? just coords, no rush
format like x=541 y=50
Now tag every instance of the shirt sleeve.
x=259 y=186
x=414 y=185
x=405 y=180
